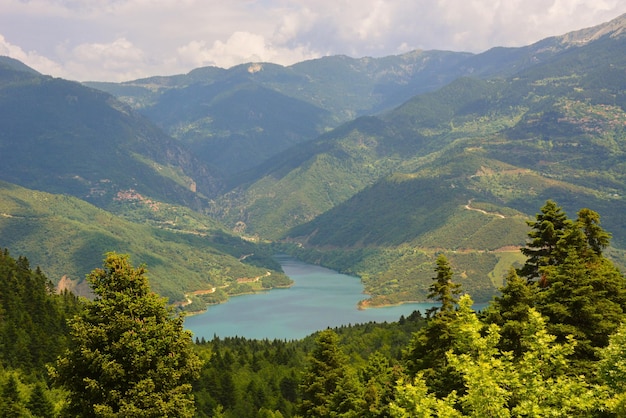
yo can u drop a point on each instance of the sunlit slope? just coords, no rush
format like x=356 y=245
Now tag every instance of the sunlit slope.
x=68 y=237
x=564 y=120
x=473 y=161
x=468 y=206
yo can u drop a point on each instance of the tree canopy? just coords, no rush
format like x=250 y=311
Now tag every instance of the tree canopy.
x=129 y=354
x=548 y=345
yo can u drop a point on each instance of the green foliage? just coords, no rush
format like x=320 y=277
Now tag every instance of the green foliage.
x=586 y=299
x=499 y=385
x=612 y=370
x=96 y=137
x=39 y=404
x=26 y=395
x=377 y=379
x=66 y=235
x=129 y=355
x=11 y=406
x=580 y=291
x=242 y=377
x=33 y=329
x=33 y=332
x=516 y=363
x=547 y=231
x=426 y=353
x=324 y=376
x=443 y=289
x=274 y=369
x=414 y=401
x=509 y=311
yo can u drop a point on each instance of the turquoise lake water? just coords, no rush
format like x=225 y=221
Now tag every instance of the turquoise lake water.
x=320 y=298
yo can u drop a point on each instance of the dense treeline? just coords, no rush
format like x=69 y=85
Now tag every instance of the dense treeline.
x=33 y=328
x=551 y=343
x=249 y=378
x=33 y=332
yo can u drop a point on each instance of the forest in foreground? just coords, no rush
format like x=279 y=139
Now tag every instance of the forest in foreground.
x=551 y=343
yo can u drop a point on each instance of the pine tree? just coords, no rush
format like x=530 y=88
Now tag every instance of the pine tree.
x=509 y=310
x=497 y=384
x=547 y=230
x=378 y=379
x=580 y=291
x=326 y=370
x=597 y=239
x=586 y=299
x=10 y=401
x=33 y=328
x=128 y=355
x=38 y=404
x=426 y=353
x=443 y=289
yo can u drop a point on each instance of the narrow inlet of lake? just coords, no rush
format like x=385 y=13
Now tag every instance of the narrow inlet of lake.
x=319 y=298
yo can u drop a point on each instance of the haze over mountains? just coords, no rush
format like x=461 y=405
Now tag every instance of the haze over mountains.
x=371 y=166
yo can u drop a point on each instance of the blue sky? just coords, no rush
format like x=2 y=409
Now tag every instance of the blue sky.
x=118 y=40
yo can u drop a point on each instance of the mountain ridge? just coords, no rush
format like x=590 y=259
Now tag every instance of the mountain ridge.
x=504 y=130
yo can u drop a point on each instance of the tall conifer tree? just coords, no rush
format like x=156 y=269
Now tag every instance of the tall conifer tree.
x=509 y=310
x=427 y=350
x=549 y=227
x=327 y=369
x=580 y=291
x=129 y=355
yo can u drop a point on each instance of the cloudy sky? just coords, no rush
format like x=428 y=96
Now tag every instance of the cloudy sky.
x=118 y=40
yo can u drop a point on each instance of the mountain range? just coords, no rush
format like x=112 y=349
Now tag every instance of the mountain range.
x=371 y=166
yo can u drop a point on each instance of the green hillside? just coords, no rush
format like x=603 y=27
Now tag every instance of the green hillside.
x=468 y=206
x=63 y=137
x=551 y=119
x=185 y=251
x=237 y=119
x=232 y=127
x=457 y=169
x=502 y=146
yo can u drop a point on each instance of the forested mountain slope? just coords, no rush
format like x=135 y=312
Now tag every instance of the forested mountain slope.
x=63 y=137
x=501 y=146
x=235 y=119
x=583 y=82
x=68 y=237
x=69 y=140
x=477 y=153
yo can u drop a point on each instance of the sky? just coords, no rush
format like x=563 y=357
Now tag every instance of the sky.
x=121 y=40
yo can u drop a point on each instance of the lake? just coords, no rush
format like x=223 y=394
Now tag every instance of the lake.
x=319 y=298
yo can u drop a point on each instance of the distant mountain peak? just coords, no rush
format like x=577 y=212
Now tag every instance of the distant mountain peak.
x=15 y=65
x=615 y=28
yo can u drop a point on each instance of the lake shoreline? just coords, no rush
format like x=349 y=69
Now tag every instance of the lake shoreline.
x=319 y=298
x=253 y=292
x=366 y=304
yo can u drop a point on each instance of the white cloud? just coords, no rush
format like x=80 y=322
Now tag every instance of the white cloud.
x=294 y=22
x=119 y=60
x=32 y=59
x=239 y=48
x=114 y=39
